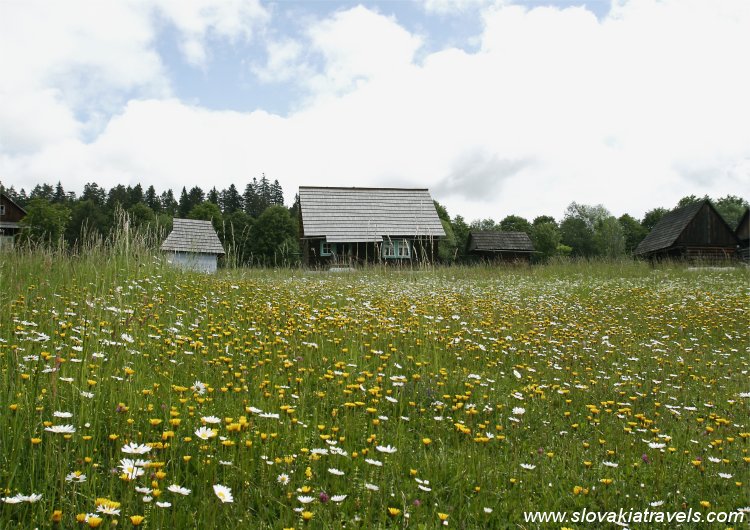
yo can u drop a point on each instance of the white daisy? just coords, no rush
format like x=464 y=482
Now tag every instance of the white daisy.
x=174 y=488
x=224 y=493
x=61 y=429
x=136 y=449
x=386 y=449
x=204 y=433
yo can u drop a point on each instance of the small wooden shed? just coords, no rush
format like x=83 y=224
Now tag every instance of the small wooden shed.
x=347 y=226
x=500 y=246
x=743 y=235
x=693 y=231
x=193 y=245
x=10 y=216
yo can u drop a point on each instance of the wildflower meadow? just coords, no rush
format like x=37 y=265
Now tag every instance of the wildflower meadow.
x=137 y=395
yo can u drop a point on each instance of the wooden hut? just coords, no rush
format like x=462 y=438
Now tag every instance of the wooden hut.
x=345 y=226
x=500 y=246
x=193 y=245
x=743 y=236
x=10 y=216
x=695 y=231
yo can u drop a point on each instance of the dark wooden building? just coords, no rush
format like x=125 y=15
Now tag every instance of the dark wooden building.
x=343 y=227
x=492 y=245
x=695 y=231
x=10 y=216
x=743 y=235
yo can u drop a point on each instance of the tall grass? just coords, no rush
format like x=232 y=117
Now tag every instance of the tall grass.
x=502 y=390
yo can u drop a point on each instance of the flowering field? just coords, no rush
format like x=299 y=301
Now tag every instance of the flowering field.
x=133 y=395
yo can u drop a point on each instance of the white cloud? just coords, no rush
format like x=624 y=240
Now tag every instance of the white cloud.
x=633 y=111
x=452 y=7
x=197 y=20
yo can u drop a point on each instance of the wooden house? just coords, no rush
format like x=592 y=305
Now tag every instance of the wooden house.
x=743 y=236
x=193 y=245
x=10 y=216
x=342 y=227
x=492 y=245
x=693 y=231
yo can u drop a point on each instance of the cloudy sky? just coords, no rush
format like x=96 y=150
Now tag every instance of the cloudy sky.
x=498 y=107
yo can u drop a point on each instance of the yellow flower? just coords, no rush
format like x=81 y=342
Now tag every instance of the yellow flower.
x=35 y=441
x=426 y=441
x=136 y=519
x=94 y=521
x=307 y=515
x=56 y=516
x=394 y=512
x=443 y=516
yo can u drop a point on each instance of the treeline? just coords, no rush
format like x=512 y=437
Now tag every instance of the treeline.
x=256 y=227
x=587 y=231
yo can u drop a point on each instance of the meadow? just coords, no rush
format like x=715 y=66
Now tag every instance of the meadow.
x=135 y=395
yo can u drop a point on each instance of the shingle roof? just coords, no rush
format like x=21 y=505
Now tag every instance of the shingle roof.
x=367 y=214
x=668 y=229
x=494 y=241
x=192 y=235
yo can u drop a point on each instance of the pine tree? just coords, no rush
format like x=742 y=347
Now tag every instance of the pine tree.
x=152 y=200
x=213 y=196
x=277 y=194
x=264 y=192
x=184 y=208
x=168 y=203
x=252 y=200
x=59 y=196
x=231 y=200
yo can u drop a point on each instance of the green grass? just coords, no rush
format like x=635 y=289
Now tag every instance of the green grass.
x=603 y=358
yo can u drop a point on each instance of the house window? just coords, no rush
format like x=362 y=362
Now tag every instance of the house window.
x=399 y=249
x=404 y=249
x=326 y=249
x=2 y=209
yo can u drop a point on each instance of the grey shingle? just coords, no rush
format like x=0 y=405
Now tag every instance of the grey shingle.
x=367 y=214
x=494 y=241
x=192 y=235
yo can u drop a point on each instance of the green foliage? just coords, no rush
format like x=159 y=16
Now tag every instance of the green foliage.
x=632 y=231
x=235 y=234
x=207 y=211
x=652 y=217
x=515 y=223
x=576 y=234
x=273 y=238
x=461 y=232
x=546 y=238
x=731 y=209
x=447 y=248
x=44 y=222
x=87 y=218
x=609 y=240
x=484 y=224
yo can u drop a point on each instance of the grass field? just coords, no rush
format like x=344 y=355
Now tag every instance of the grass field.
x=131 y=393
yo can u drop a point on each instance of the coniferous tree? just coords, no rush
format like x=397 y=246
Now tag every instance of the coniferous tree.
x=59 y=196
x=92 y=192
x=184 y=208
x=277 y=194
x=231 y=200
x=195 y=197
x=168 y=203
x=117 y=195
x=152 y=200
x=135 y=195
x=43 y=191
x=264 y=192
x=213 y=196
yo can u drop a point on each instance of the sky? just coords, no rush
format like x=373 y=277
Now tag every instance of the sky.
x=497 y=108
